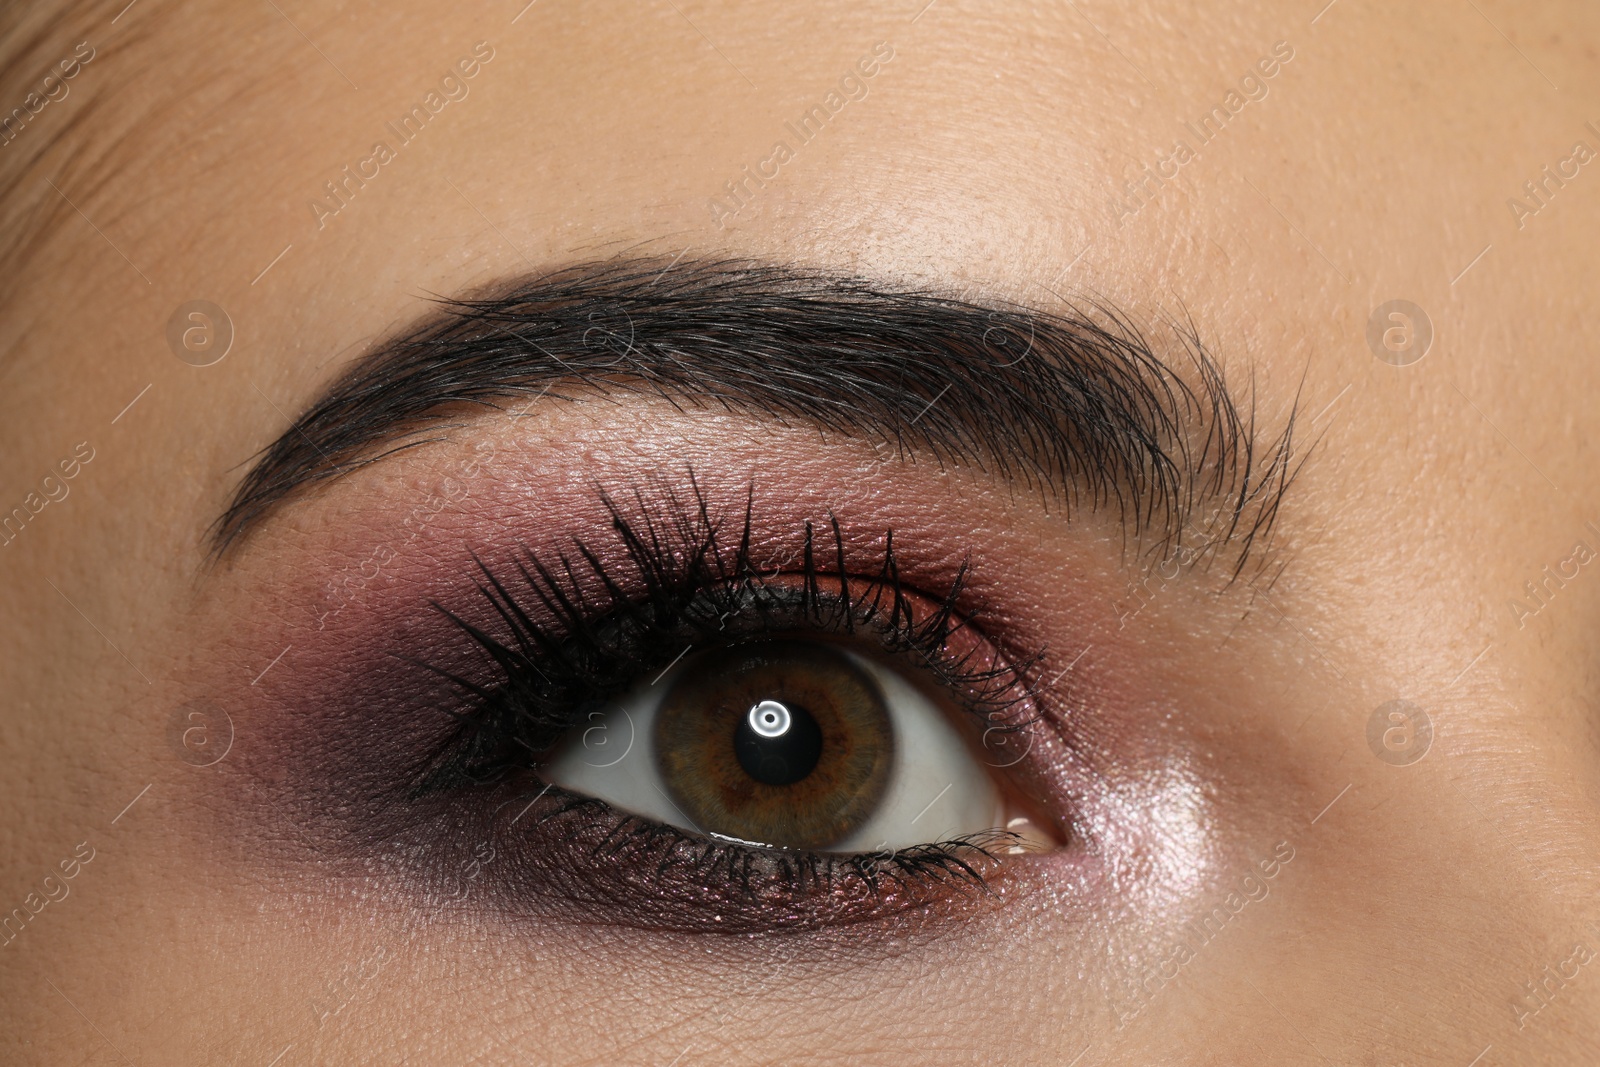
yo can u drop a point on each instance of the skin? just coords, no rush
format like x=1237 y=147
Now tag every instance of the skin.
x=1420 y=899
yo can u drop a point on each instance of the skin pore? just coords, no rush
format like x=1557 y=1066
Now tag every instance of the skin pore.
x=1254 y=871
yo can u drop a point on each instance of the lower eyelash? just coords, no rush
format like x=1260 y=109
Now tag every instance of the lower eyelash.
x=587 y=855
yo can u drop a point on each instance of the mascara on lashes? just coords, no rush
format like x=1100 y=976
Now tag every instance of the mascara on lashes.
x=686 y=579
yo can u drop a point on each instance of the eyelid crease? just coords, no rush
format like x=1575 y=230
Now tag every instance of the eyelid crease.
x=1085 y=412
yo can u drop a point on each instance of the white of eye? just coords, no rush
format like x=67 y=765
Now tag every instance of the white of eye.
x=937 y=789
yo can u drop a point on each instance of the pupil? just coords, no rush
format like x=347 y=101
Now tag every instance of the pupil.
x=777 y=743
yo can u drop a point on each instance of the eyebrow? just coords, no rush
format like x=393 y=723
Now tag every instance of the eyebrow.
x=1074 y=403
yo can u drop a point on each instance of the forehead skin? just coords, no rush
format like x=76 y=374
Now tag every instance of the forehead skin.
x=989 y=156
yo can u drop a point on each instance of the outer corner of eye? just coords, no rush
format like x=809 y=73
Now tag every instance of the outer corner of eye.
x=795 y=744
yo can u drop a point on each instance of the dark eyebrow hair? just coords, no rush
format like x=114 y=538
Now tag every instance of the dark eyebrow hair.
x=1075 y=403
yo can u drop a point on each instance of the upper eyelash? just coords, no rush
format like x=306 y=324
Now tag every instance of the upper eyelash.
x=606 y=629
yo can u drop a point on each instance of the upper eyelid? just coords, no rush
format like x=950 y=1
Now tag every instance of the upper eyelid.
x=668 y=554
x=1088 y=411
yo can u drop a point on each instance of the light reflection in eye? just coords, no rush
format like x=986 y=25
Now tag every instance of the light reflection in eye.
x=777 y=745
x=790 y=743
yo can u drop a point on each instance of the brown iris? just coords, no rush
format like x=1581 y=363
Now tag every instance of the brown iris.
x=785 y=743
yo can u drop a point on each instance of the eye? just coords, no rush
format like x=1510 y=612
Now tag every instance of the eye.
x=793 y=743
x=686 y=731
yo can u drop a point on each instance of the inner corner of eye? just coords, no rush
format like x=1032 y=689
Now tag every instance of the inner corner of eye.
x=791 y=743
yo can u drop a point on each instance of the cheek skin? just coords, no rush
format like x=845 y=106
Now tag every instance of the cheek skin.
x=328 y=732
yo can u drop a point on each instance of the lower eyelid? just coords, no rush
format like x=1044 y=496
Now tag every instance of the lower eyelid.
x=564 y=857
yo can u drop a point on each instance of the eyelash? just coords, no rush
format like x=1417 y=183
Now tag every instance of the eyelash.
x=566 y=636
